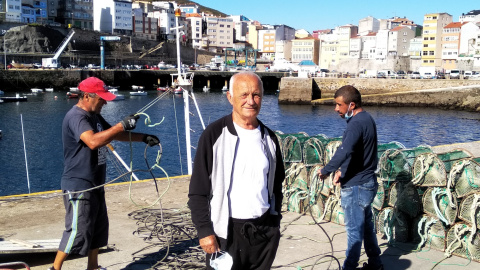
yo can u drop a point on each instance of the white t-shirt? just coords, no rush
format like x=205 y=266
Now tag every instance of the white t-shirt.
x=248 y=192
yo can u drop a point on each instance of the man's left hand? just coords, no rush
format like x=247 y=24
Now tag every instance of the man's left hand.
x=151 y=140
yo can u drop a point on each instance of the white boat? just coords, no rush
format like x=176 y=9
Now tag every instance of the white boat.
x=138 y=93
x=178 y=90
x=118 y=95
x=206 y=89
x=74 y=89
x=36 y=90
x=137 y=87
x=225 y=88
x=49 y=89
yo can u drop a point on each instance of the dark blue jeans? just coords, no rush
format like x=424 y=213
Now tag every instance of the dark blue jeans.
x=356 y=204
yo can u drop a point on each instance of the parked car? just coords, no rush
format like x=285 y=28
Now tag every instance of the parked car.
x=401 y=74
x=454 y=74
x=440 y=75
x=428 y=75
x=468 y=74
x=415 y=75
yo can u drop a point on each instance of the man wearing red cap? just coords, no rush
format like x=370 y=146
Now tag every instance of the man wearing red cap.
x=85 y=134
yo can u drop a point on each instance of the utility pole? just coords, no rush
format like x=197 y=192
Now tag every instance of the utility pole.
x=4 y=32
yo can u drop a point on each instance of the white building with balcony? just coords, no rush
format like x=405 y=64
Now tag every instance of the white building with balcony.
x=113 y=16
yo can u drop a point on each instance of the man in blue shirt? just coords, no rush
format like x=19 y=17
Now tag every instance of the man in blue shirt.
x=354 y=164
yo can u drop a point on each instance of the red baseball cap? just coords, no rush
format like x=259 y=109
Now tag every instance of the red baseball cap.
x=97 y=86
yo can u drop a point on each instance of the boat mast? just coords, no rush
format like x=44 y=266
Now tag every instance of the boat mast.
x=186 y=85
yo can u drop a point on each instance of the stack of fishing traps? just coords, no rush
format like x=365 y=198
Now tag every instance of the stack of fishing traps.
x=432 y=200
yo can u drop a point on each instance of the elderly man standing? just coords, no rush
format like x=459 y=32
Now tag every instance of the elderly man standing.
x=236 y=187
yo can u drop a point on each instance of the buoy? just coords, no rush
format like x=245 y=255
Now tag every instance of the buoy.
x=56 y=97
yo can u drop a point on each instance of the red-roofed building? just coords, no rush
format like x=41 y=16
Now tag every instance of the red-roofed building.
x=451 y=45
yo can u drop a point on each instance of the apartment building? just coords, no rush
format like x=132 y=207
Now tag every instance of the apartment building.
x=164 y=12
x=113 y=16
x=13 y=9
x=283 y=50
x=367 y=25
x=34 y=11
x=355 y=47
x=241 y=26
x=220 y=32
x=305 y=49
x=189 y=8
x=369 y=44
x=144 y=27
x=399 y=40
x=471 y=16
x=450 y=45
x=253 y=34
x=345 y=34
x=28 y=14
x=433 y=25
x=266 y=42
x=415 y=48
x=197 y=30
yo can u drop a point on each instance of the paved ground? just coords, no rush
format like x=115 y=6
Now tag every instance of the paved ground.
x=41 y=217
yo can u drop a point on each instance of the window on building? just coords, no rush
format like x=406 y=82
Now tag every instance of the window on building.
x=431 y=53
x=432 y=38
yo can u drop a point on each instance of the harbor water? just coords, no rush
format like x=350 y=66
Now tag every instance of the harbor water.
x=43 y=114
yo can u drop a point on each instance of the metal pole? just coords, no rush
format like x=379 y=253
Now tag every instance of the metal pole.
x=25 y=151
x=102 y=55
x=4 y=52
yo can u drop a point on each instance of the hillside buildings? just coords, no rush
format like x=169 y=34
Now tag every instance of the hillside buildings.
x=441 y=43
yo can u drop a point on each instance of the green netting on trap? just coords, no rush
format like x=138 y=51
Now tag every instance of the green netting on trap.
x=406 y=198
x=437 y=202
x=396 y=164
x=298 y=201
x=330 y=149
x=449 y=158
x=470 y=210
x=463 y=241
x=333 y=211
x=313 y=152
x=393 y=224
x=429 y=233
x=465 y=177
x=292 y=147
x=391 y=145
x=316 y=184
x=381 y=199
x=317 y=209
x=327 y=187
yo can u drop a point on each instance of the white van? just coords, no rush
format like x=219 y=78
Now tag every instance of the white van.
x=467 y=74
x=454 y=74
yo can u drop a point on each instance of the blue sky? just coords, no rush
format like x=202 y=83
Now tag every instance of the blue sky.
x=320 y=14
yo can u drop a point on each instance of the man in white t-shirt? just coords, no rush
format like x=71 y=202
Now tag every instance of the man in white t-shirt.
x=236 y=187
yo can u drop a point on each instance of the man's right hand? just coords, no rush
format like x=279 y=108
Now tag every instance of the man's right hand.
x=209 y=244
x=130 y=122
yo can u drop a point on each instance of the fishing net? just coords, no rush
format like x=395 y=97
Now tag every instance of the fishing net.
x=381 y=199
x=294 y=171
x=465 y=177
x=406 y=198
x=396 y=164
x=327 y=187
x=293 y=147
x=429 y=232
x=393 y=224
x=280 y=136
x=318 y=209
x=436 y=202
x=330 y=149
x=470 y=210
x=299 y=179
x=316 y=184
x=431 y=170
x=313 y=152
x=333 y=211
x=391 y=145
x=463 y=242
x=298 y=201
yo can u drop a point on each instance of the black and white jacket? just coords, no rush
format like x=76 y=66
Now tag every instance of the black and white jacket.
x=212 y=176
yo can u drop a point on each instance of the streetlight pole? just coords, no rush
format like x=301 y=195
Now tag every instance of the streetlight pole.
x=4 y=33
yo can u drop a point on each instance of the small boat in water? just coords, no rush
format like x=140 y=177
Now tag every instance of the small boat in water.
x=137 y=87
x=163 y=89
x=138 y=93
x=49 y=89
x=178 y=90
x=74 y=89
x=206 y=89
x=224 y=88
x=72 y=95
x=118 y=95
x=17 y=97
x=36 y=90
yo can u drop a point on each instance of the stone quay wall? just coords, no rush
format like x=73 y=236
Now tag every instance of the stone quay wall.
x=447 y=94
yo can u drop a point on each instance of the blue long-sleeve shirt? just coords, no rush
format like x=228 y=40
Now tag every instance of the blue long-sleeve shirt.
x=357 y=156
